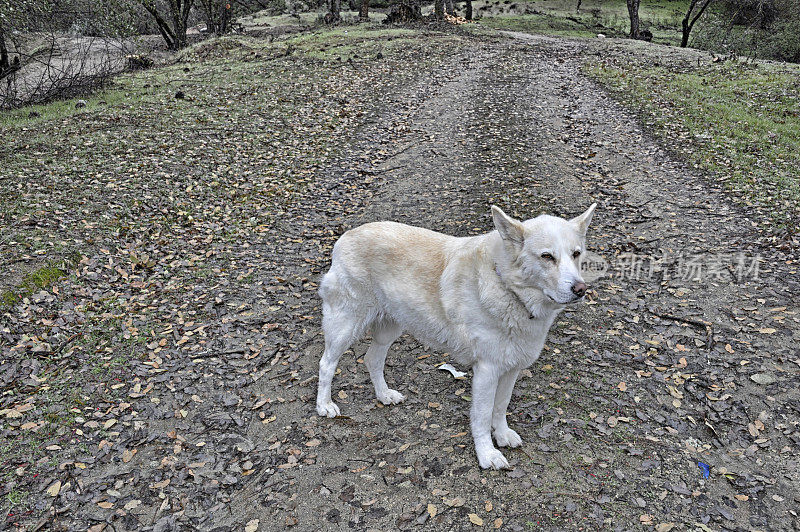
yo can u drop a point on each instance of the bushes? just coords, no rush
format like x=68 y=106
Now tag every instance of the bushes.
x=59 y=48
x=768 y=29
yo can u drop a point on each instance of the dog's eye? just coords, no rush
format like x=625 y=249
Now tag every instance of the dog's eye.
x=576 y=254
x=548 y=256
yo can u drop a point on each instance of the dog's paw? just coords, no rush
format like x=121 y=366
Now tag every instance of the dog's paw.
x=391 y=397
x=328 y=409
x=492 y=459
x=507 y=438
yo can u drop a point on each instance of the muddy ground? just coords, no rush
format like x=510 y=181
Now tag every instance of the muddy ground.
x=684 y=353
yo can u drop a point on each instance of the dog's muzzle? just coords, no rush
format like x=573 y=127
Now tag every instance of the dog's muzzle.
x=579 y=289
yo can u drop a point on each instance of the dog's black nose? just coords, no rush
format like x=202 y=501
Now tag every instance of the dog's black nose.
x=579 y=289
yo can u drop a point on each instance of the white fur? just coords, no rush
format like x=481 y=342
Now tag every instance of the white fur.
x=488 y=299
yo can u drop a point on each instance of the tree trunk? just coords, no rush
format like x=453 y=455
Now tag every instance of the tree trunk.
x=438 y=9
x=633 y=13
x=175 y=34
x=363 y=13
x=404 y=11
x=468 y=15
x=449 y=7
x=334 y=15
x=5 y=65
x=163 y=26
x=180 y=31
x=224 y=18
x=578 y=8
x=685 y=30
x=688 y=22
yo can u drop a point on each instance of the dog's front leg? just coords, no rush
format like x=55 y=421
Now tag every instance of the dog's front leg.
x=503 y=435
x=484 y=386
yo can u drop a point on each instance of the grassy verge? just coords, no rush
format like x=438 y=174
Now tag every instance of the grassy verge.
x=560 y=17
x=546 y=24
x=739 y=122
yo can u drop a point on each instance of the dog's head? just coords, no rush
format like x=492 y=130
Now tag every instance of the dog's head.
x=544 y=253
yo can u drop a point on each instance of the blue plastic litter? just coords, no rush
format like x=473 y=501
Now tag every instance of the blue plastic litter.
x=706 y=469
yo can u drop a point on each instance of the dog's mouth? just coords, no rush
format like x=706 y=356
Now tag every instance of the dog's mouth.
x=572 y=301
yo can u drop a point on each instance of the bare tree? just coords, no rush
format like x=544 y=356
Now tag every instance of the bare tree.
x=578 y=7
x=449 y=7
x=468 y=8
x=438 y=9
x=172 y=19
x=688 y=21
x=633 y=13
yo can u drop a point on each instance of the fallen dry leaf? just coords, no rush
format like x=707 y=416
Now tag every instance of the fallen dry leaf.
x=127 y=455
x=455 y=502
x=54 y=488
x=132 y=504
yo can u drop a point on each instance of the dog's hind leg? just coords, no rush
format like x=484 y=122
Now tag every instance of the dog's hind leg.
x=341 y=328
x=384 y=332
x=503 y=435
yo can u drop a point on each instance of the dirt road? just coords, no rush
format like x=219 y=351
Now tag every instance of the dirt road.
x=686 y=351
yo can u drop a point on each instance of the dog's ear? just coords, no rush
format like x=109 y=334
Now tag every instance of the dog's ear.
x=510 y=229
x=582 y=221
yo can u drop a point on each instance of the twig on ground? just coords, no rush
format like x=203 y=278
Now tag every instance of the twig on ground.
x=707 y=326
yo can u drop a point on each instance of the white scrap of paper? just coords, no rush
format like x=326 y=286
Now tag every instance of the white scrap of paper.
x=453 y=371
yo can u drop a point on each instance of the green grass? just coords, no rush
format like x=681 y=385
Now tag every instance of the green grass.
x=37 y=280
x=38 y=114
x=545 y=24
x=559 y=17
x=16 y=497
x=739 y=122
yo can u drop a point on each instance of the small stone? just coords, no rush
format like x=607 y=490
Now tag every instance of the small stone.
x=80 y=104
x=762 y=378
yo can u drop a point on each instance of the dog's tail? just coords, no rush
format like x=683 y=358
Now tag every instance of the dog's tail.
x=341 y=290
x=330 y=281
x=327 y=285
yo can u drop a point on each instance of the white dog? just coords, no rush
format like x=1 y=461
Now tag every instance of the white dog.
x=488 y=299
